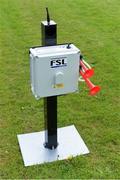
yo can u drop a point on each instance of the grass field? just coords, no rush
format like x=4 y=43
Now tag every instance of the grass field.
x=93 y=26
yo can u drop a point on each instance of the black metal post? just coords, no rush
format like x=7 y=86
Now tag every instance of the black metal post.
x=49 y=37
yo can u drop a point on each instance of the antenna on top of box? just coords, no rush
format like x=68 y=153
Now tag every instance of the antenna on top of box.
x=48 y=16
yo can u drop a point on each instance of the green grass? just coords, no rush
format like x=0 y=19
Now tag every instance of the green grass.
x=94 y=26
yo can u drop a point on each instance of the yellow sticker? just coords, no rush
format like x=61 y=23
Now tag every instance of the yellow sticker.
x=59 y=85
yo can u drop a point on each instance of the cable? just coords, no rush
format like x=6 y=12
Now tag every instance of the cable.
x=86 y=64
x=80 y=77
x=48 y=16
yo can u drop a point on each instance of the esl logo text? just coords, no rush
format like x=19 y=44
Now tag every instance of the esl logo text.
x=58 y=62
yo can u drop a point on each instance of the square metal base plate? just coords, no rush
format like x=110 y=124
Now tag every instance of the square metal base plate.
x=34 y=152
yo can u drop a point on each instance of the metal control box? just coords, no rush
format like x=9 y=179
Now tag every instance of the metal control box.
x=54 y=70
